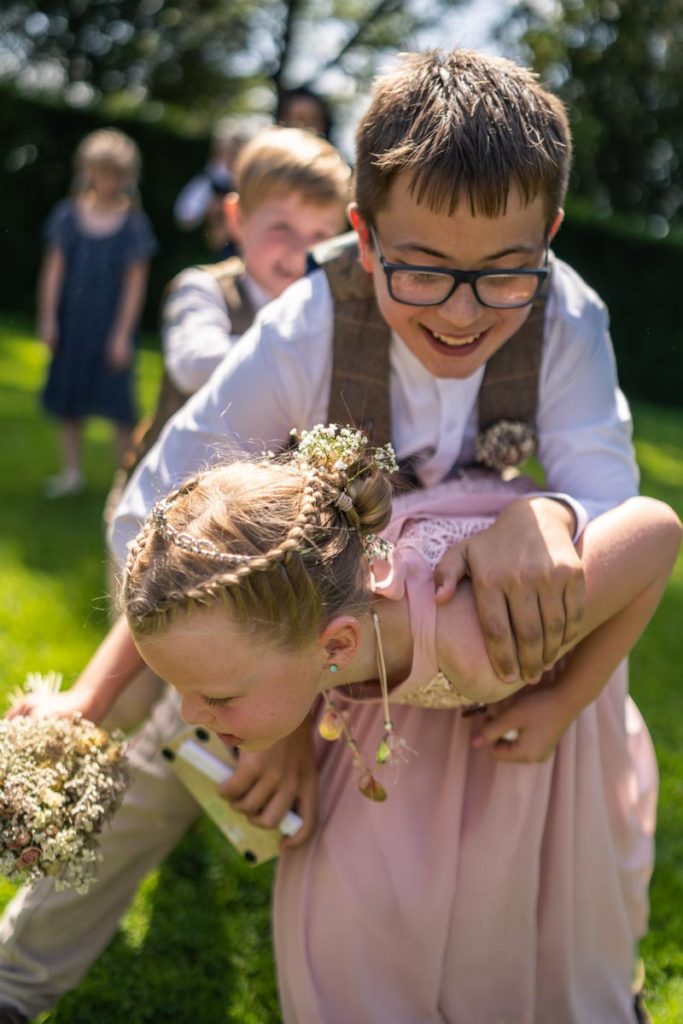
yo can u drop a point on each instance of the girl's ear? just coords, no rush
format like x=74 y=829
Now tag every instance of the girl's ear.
x=365 y=249
x=234 y=217
x=340 y=640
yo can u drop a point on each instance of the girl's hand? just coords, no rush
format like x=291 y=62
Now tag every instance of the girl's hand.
x=119 y=352
x=539 y=716
x=62 y=705
x=47 y=332
x=266 y=785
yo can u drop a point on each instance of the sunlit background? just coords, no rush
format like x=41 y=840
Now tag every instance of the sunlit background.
x=165 y=71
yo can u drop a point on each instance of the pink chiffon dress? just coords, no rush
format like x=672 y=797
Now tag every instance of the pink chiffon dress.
x=479 y=892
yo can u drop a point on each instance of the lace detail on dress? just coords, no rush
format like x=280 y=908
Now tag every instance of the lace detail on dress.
x=439 y=692
x=432 y=537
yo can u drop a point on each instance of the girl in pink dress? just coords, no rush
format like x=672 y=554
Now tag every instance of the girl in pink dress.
x=481 y=889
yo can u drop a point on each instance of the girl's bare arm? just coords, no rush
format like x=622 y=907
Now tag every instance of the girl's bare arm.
x=49 y=286
x=627 y=553
x=112 y=667
x=130 y=306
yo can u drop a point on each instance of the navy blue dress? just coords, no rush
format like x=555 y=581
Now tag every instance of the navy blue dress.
x=80 y=383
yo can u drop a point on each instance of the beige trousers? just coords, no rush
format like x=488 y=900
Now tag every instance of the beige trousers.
x=48 y=939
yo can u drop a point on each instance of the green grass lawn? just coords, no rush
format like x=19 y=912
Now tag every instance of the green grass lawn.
x=194 y=947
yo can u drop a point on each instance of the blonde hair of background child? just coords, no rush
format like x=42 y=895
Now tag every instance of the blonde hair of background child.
x=110 y=148
x=278 y=542
x=464 y=126
x=279 y=161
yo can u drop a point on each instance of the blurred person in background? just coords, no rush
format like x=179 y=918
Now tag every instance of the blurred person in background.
x=304 y=108
x=91 y=291
x=200 y=202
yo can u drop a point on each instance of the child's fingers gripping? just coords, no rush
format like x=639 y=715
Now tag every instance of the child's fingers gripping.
x=273 y=807
x=501 y=725
x=247 y=772
x=506 y=741
x=307 y=809
x=260 y=795
x=452 y=568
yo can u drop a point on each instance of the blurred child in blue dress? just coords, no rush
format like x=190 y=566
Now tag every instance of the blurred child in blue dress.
x=90 y=294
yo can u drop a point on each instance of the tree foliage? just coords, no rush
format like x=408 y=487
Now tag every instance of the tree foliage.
x=618 y=64
x=206 y=56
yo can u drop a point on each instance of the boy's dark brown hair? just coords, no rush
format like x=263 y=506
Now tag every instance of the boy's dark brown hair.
x=463 y=126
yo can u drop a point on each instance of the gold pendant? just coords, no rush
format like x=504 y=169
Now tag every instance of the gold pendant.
x=371 y=788
x=330 y=726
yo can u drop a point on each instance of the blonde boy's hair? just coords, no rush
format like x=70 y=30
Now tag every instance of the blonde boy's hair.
x=108 y=147
x=463 y=126
x=278 y=161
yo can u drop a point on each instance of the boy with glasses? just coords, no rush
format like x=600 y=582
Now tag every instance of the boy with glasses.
x=442 y=327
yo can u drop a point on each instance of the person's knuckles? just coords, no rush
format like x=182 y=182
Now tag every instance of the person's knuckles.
x=529 y=636
x=267 y=819
x=496 y=631
x=554 y=628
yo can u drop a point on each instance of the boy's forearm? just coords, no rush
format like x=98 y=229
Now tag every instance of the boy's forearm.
x=597 y=657
x=112 y=667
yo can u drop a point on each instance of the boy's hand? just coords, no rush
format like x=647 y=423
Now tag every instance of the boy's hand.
x=267 y=784
x=528 y=585
x=539 y=717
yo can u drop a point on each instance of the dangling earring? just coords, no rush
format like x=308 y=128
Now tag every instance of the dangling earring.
x=333 y=726
x=329 y=726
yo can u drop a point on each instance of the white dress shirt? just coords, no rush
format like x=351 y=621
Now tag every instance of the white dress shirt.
x=278 y=376
x=196 y=331
x=194 y=199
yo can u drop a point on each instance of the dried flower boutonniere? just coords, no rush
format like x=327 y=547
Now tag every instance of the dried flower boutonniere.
x=506 y=444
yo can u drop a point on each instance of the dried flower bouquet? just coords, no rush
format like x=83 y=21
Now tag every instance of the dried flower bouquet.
x=61 y=779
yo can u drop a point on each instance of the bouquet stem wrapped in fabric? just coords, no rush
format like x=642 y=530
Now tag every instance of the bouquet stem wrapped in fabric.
x=61 y=779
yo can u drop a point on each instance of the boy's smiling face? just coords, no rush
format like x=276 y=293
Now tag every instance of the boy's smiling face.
x=457 y=337
x=276 y=235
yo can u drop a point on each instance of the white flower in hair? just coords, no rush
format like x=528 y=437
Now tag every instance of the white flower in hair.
x=337 y=449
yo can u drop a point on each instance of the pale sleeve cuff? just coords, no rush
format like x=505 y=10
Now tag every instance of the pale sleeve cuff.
x=581 y=517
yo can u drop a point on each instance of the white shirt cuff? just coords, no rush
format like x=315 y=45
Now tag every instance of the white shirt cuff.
x=580 y=514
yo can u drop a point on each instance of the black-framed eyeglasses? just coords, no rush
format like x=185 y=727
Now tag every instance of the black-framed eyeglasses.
x=430 y=286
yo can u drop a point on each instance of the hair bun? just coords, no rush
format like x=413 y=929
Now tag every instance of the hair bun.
x=356 y=472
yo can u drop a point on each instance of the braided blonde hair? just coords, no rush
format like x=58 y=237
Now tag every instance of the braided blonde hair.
x=280 y=543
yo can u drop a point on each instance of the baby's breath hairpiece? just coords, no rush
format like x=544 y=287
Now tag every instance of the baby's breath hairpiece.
x=377 y=549
x=337 y=451
x=62 y=779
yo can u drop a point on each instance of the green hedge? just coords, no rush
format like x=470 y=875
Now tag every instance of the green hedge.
x=642 y=283
x=639 y=279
